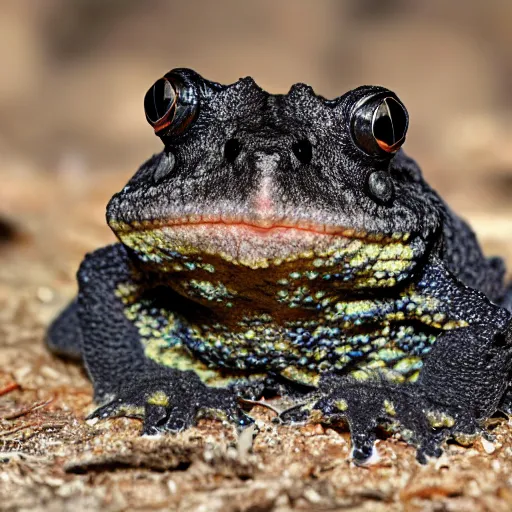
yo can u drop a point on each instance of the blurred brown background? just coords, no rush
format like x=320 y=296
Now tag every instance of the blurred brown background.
x=74 y=74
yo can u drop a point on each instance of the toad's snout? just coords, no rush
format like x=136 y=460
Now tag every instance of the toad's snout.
x=263 y=200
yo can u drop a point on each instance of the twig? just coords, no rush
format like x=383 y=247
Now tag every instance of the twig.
x=10 y=387
x=26 y=410
x=40 y=426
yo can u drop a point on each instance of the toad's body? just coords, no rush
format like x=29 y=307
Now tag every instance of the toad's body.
x=284 y=244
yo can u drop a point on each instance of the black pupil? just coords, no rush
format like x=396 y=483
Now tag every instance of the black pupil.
x=390 y=122
x=232 y=150
x=158 y=100
x=303 y=150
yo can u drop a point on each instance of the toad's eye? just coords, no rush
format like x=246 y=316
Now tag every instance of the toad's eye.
x=379 y=124
x=171 y=104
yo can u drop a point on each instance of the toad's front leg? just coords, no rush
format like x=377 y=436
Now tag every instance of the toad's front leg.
x=460 y=385
x=125 y=380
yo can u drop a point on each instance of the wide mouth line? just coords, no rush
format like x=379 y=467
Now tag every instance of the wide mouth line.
x=258 y=225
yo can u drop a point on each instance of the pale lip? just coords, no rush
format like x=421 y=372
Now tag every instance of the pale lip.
x=248 y=242
x=260 y=227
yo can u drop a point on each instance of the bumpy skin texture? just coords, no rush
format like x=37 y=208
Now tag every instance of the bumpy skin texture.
x=264 y=252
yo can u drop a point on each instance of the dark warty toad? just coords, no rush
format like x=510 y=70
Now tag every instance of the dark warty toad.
x=284 y=245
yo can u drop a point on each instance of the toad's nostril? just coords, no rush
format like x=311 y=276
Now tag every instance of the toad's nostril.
x=303 y=150
x=232 y=149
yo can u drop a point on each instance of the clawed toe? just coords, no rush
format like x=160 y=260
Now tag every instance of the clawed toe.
x=164 y=409
x=115 y=408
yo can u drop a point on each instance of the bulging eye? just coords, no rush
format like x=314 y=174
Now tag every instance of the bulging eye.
x=160 y=104
x=379 y=124
x=171 y=104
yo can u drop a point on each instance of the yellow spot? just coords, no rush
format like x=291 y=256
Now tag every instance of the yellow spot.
x=210 y=413
x=158 y=398
x=455 y=324
x=321 y=354
x=377 y=363
x=438 y=419
x=371 y=282
x=344 y=349
x=359 y=307
x=414 y=377
x=250 y=334
x=127 y=292
x=407 y=364
x=358 y=260
x=465 y=439
x=342 y=405
x=360 y=375
x=301 y=376
x=392 y=376
x=388 y=354
x=389 y=408
x=372 y=251
x=131 y=411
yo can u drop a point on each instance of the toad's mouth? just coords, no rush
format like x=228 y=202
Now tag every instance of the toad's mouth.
x=258 y=227
x=256 y=243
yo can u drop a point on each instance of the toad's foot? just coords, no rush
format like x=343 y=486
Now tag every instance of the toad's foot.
x=172 y=401
x=368 y=406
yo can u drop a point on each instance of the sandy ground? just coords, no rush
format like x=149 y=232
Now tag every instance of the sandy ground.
x=52 y=459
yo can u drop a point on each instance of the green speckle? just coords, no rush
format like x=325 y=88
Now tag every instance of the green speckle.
x=387 y=354
x=158 y=398
x=360 y=375
x=341 y=404
x=407 y=435
x=389 y=408
x=438 y=419
x=408 y=364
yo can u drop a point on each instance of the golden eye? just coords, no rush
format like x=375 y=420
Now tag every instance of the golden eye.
x=379 y=124
x=171 y=104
